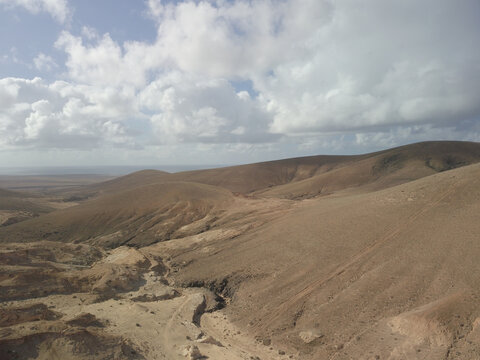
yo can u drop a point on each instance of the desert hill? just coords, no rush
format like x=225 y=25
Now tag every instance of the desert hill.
x=149 y=206
x=372 y=256
x=391 y=273
x=385 y=168
x=314 y=173
x=140 y=216
x=127 y=182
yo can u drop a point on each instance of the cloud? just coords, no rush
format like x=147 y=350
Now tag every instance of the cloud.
x=316 y=70
x=36 y=114
x=235 y=39
x=102 y=61
x=185 y=109
x=333 y=66
x=58 y=9
x=375 y=66
x=44 y=62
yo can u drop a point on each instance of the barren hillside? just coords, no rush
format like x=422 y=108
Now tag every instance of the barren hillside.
x=312 y=173
x=347 y=257
x=393 y=273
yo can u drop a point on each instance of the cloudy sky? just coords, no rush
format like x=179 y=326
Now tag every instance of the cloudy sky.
x=121 y=82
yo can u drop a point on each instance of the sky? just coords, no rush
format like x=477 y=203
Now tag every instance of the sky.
x=121 y=82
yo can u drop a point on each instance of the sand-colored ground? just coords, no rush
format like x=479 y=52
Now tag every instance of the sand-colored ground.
x=152 y=321
x=367 y=257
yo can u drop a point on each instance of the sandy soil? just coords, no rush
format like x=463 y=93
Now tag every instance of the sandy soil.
x=367 y=257
x=154 y=321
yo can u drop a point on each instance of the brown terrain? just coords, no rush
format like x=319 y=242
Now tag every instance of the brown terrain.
x=371 y=256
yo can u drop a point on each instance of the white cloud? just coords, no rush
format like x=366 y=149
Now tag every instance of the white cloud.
x=329 y=66
x=155 y=8
x=34 y=113
x=44 y=62
x=188 y=109
x=89 y=33
x=58 y=9
x=105 y=62
x=316 y=69
x=240 y=38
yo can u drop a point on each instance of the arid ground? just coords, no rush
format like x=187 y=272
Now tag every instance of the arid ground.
x=371 y=256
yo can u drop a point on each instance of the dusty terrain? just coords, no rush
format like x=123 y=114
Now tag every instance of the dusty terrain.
x=26 y=197
x=331 y=257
